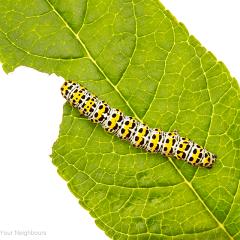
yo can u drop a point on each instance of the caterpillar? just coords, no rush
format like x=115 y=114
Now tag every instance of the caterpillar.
x=137 y=133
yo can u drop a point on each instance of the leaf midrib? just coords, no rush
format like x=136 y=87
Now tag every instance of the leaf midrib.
x=92 y=59
x=136 y=116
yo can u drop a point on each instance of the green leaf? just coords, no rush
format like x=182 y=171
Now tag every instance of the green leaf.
x=137 y=57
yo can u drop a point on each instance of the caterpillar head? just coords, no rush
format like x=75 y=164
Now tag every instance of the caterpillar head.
x=208 y=160
x=67 y=88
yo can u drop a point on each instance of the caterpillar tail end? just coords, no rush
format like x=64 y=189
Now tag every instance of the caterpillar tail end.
x=67 y=88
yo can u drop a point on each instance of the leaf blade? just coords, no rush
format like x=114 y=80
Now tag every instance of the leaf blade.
x=177 y=62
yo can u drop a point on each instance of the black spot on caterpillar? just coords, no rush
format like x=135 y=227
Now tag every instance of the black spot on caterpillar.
x=137 y=133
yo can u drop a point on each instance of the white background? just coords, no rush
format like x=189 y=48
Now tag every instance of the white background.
x=32 y=194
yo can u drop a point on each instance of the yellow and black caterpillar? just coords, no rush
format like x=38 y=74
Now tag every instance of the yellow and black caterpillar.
x=137 y=133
